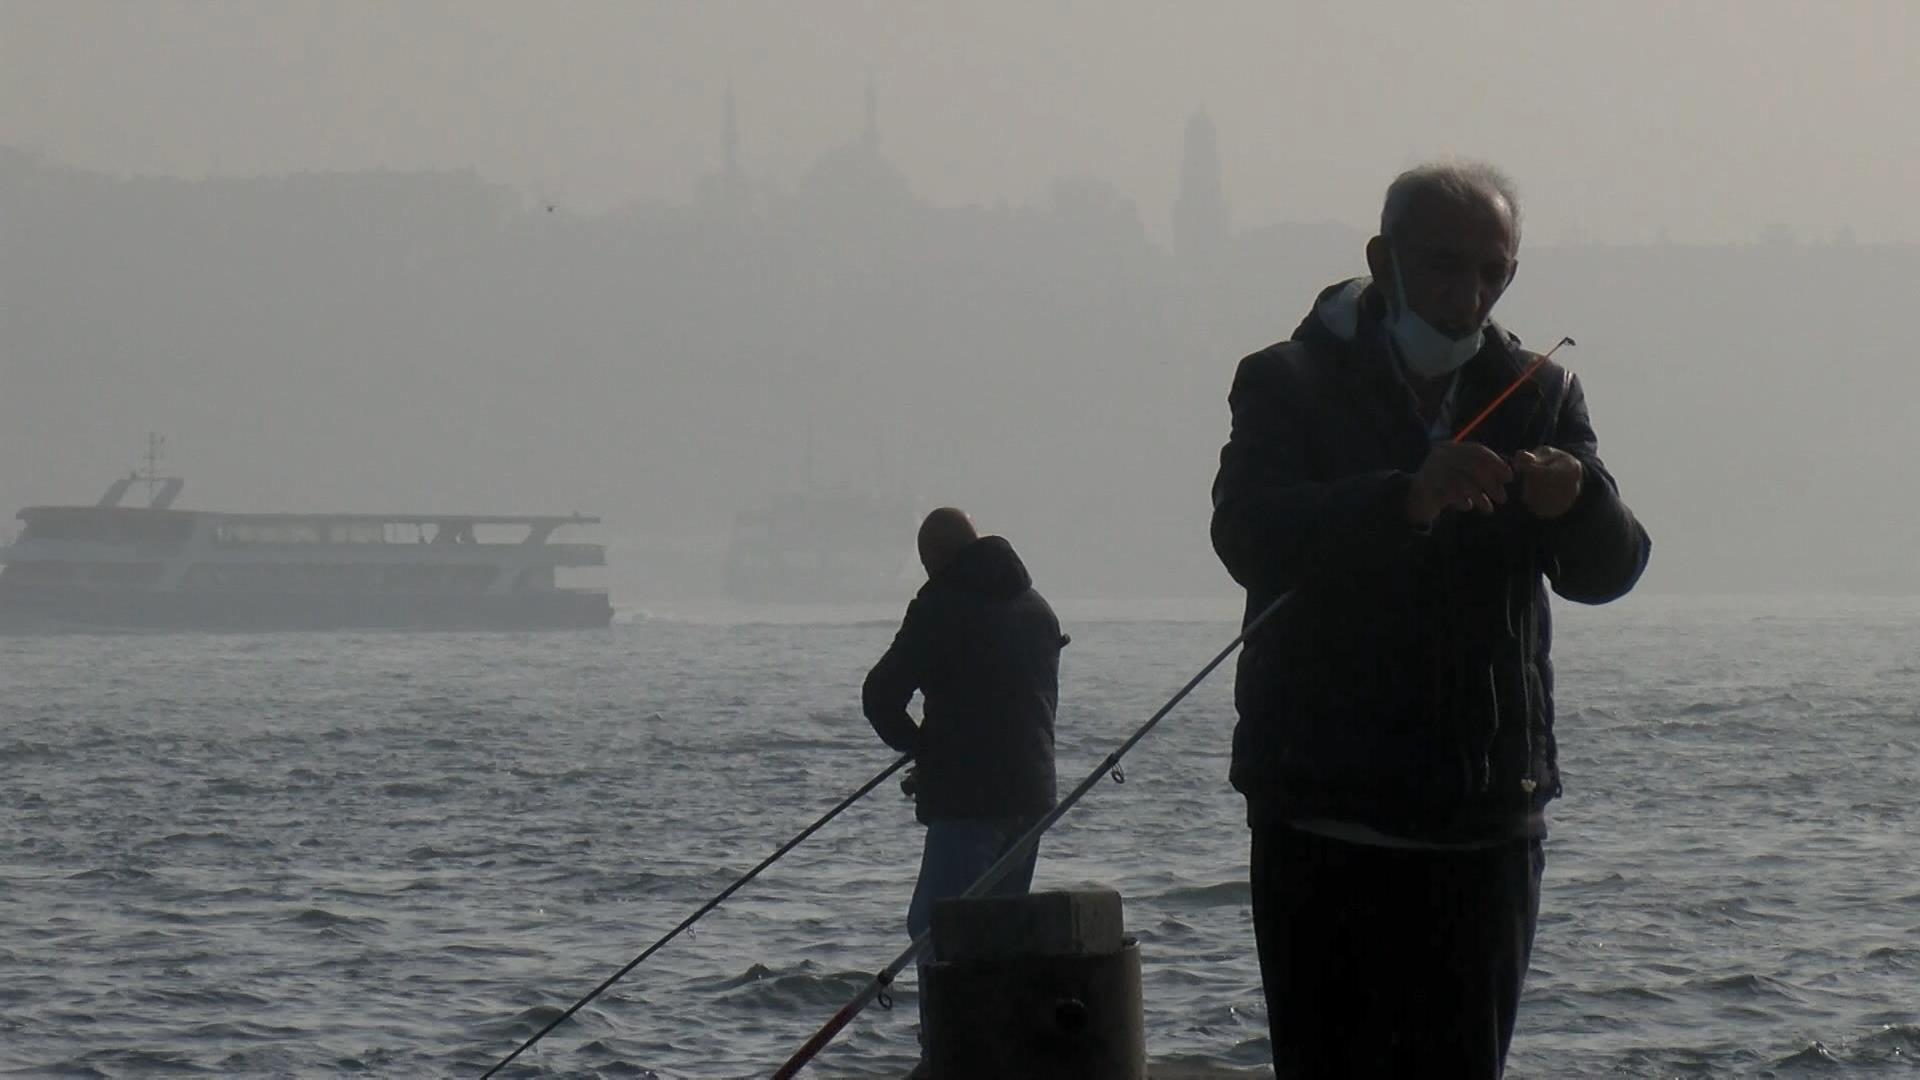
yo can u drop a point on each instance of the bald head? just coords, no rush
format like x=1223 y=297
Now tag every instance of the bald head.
x=943 y=535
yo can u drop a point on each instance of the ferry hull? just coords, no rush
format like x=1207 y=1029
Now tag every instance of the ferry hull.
x=69 y=609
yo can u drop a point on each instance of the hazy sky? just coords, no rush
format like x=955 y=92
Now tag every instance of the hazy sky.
x=1707 y=119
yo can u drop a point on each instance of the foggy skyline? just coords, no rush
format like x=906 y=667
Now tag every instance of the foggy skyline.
x=431 y=343
x=415 y=324
x=1703 y=122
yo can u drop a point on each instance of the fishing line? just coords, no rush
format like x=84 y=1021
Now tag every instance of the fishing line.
x=704 y=908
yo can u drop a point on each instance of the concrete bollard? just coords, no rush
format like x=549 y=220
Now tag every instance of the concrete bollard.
x=1044 y=986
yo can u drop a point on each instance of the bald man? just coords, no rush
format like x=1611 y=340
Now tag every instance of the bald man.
x=982 y=649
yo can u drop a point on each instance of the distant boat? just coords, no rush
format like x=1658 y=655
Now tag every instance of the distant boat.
x=823 y=547
x=113 y=567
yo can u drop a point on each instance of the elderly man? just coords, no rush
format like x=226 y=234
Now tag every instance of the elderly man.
x=1395 y=735
x=982 y=648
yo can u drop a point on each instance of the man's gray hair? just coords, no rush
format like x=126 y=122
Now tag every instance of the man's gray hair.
x=1463 y=183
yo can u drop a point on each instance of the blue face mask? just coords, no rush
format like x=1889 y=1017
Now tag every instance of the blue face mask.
x=1425 y=350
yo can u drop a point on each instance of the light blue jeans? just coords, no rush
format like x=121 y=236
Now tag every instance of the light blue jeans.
x=957 y=852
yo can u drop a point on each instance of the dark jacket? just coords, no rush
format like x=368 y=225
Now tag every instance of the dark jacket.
x=983 y=649
x=1405 y=681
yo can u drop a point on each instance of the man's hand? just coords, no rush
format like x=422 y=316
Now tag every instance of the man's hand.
x=1550 y=480
x=1457 y=476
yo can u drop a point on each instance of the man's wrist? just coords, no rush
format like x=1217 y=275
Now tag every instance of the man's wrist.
x=1417 y=508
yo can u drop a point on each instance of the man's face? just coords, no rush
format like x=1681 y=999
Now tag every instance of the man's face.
x=1456 y=260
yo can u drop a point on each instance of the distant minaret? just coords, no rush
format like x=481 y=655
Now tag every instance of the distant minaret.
x=1200 y=221
x=730 y=137
x=871 y=136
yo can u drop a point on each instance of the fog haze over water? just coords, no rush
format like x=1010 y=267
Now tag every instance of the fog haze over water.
x=670 y=263
x=660 y=263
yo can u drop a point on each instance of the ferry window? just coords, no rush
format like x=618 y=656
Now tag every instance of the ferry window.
x=274 y=532
x=58 y=528
x=157 y=530
x=534 y=578
x=124 y=573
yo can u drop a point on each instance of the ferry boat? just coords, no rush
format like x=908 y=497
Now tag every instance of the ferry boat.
x=154 y=567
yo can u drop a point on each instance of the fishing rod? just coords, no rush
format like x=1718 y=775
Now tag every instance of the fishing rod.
x=704 y=908
x=1525 y=374
x=877 y=985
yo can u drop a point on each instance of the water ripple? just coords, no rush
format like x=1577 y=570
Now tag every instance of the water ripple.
x=393 y=855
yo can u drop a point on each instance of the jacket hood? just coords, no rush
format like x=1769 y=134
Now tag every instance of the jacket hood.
x=1350 y=311
x=987 y=566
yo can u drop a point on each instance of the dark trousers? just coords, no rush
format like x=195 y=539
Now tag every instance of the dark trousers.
x=1381 y=962
x=957 y=852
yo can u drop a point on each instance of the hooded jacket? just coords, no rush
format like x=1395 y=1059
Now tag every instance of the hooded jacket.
x=1405 y=682
x=983 y=649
